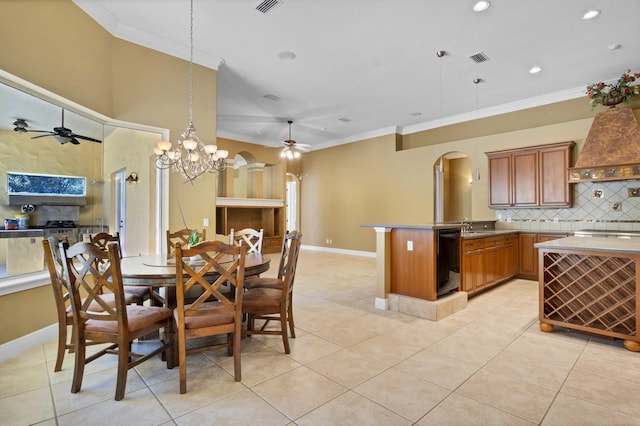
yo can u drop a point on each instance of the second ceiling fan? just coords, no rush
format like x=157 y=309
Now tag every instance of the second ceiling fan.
x=292 y=149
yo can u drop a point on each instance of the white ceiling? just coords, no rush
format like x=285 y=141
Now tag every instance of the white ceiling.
x=374 y=62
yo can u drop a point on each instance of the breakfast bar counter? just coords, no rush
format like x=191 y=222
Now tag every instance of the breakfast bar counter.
x=591 y=285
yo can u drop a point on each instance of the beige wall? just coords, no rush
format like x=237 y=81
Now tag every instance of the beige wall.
x=55 y=45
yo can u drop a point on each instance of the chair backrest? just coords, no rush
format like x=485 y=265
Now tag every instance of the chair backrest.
x=224 y=262
x=182 y=237
x=102 y=285
x=289 y=258
x=102 y=239
x=56 y=273
x=248 y=236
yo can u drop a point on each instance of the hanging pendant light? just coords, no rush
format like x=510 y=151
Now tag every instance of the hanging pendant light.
x=190 y=157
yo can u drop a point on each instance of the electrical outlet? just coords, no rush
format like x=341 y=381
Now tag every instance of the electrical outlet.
x=205 y=221
x=409 y=245
x=556 y=220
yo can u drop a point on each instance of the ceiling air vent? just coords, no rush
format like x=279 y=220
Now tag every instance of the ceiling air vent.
x=268 y=5
x=479 y=57
x=272 y=97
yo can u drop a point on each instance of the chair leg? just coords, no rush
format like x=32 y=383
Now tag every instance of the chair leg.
x=78 y=370
x=237 y=373
x=283 y=327
x=182 y=360
x=292 y=330
x=123 y=368
x=62 y=345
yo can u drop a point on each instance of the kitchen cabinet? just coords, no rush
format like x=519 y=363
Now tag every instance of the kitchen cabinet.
x=530 y=177
x=488 y=261
x=528 y=259
x=239 y=213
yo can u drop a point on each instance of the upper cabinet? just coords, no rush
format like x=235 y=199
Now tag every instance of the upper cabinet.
x=530 y=177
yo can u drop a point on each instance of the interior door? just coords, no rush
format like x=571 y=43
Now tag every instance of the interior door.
x=120 y=204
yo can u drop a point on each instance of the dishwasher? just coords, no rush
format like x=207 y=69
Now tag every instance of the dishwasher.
x=448 y=260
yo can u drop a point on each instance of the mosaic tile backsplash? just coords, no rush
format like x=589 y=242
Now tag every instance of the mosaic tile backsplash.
x=597 y=205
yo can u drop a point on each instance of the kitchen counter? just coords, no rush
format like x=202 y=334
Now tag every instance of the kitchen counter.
x=419 y=226
x=19 y=233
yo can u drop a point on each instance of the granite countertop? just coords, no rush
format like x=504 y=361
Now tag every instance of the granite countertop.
x=414 y=226
x=609 y=245
x=486 y=233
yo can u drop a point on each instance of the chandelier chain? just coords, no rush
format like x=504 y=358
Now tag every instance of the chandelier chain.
x=190 y=157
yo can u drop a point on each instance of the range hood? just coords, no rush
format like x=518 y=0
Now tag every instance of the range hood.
x=611 y=150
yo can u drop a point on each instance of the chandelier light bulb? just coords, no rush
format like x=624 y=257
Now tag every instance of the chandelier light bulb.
x=164 y=145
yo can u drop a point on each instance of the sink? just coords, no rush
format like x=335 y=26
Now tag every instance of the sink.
x=477 y=232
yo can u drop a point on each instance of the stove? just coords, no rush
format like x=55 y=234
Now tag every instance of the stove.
x=60 y=224
x=61 y=229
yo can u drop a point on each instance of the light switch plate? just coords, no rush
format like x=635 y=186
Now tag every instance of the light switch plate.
x=409 y=245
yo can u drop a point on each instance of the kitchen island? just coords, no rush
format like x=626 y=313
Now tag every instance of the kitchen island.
x=408 y=278
x=591 y=285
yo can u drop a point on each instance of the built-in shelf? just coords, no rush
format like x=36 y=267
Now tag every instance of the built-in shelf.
x=256 y=213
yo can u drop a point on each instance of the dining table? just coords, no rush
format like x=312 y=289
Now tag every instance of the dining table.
x=159 y=272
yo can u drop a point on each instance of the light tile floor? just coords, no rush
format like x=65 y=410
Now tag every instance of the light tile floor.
x=353 y=365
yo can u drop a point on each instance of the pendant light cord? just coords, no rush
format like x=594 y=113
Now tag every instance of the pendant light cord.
x=191 y=65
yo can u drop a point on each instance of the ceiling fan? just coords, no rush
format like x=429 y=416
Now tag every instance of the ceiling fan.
x=61 y=134
x=292 y=149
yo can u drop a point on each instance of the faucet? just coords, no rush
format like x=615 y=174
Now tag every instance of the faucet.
x=466 y=226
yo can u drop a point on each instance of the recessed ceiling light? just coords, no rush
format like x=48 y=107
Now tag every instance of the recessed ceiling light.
x=590 y=14
x=287 y=56
x=535 y=70
x=481 y=6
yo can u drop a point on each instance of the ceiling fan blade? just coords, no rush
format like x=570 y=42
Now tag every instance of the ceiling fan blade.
x=87 y=138
x=43 y=136
x=74 y=141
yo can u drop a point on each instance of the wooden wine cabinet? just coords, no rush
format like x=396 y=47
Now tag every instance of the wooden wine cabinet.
x=594 y=292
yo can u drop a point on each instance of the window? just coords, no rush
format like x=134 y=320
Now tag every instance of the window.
x=41 y=184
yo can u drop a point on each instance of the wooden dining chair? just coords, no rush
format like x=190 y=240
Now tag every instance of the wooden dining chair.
x=96 y=320
x=62 y=298
x=138 y=293
x=203 y=317
x=248 y=236
x=271 y=299
x=182 y=237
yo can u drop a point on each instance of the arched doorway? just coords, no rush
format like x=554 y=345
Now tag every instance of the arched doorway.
x=453 y=180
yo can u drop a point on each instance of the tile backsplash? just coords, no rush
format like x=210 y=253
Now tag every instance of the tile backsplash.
x=597 y=205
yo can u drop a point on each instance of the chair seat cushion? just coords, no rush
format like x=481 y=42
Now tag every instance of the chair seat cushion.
x=211 y=316
x=261 y=297
x=137 y=291
x=250 y=283
x=109 y=298
x=138 y=318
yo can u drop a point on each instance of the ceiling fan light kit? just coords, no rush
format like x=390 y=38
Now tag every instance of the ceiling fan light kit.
x=190 y=157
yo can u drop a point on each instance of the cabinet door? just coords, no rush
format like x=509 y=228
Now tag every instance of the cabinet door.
x=554 y=183
x=468 y=277
x=525 y=179
x=512 y=255
x=490 y=260
x=528 y=261
x=500 y=181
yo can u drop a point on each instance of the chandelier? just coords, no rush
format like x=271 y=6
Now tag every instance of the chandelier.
x=190 y=157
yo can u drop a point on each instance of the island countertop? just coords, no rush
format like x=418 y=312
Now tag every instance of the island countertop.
x=609 y=245
x=414 y=226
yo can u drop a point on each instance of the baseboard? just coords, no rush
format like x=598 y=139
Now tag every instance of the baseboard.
x=339 y=251
x=22 y=344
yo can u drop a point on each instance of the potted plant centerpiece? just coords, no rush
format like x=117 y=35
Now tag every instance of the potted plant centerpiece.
x=612 y=94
